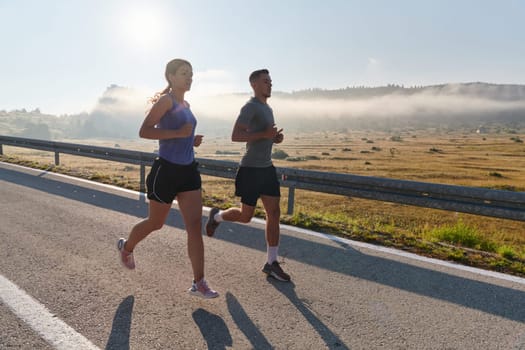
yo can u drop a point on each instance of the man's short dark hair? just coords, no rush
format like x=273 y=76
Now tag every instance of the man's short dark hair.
x=256 y=74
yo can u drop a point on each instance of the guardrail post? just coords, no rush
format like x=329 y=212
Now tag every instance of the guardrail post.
x=142 y=178
x=57 y=158
x=1 y=150
x=291 y=198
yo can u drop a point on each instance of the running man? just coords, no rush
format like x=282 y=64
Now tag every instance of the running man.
x=256 y=177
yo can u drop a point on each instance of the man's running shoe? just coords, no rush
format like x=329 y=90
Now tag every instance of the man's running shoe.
x=275 y=270
x=212 y=224
x=202 y=290
x=126 y=258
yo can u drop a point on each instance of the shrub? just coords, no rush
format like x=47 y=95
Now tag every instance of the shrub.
x=495 y=174
x=295 y=159
x=219 y=152
x=279 y=154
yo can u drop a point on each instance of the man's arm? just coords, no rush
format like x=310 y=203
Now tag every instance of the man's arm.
x=241 y=133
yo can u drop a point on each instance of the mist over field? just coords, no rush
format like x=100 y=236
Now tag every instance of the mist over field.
x=427 y=108
x=120 y=111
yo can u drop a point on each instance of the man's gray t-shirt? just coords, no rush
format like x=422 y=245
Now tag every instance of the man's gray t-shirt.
x=258 y=116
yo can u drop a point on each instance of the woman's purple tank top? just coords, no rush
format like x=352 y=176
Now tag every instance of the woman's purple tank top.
x=177 y=150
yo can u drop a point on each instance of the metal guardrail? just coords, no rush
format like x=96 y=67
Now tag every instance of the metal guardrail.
x=472 y=200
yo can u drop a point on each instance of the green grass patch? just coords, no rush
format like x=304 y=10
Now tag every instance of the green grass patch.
x=458 y=234
x=508 y=252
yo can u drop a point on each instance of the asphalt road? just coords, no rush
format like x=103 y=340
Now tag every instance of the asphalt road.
x=57 y=245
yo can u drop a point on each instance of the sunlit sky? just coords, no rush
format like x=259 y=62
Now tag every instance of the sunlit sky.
x=60 y=55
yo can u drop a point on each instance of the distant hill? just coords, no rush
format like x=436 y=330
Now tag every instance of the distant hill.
x=500 y=92
x=119 y=111
x=34 y=124
x=117 y=114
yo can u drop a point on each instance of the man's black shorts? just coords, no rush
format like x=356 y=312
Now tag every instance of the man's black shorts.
x=251 y=183
x=165 y=180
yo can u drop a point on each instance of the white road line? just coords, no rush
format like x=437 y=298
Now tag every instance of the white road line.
x=57 y=333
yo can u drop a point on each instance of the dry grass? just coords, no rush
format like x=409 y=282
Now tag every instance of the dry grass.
x=468 y=159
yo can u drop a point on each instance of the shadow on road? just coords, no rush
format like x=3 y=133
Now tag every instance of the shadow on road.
x=213 y=329
x=486 y=297
x=331 y=340
x=245 y=324
x=490 y=298
x=120 y=330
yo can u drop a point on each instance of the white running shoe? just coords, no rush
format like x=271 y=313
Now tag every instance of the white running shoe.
x=126 y=258
x=202 y=290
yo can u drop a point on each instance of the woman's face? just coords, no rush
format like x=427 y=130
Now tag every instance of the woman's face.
x=182 y=78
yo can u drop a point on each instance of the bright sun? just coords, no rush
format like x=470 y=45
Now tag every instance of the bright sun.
x=141 y=28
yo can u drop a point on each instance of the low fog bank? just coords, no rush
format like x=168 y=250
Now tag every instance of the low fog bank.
x=422 y=110
x=384 y=108
x=120 y=111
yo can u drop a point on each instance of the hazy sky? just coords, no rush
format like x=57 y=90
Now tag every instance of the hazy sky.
x=60 y=55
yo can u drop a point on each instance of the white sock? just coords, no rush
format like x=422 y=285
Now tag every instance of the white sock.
x=272 y=253
x=218 y=217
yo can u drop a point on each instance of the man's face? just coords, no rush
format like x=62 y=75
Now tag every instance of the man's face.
x=263 y=86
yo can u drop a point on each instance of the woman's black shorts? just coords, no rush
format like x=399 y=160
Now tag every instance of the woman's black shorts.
x=165 y=180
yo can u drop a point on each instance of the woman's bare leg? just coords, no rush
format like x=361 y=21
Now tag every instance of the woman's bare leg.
x=190 y=204
x=158 y=212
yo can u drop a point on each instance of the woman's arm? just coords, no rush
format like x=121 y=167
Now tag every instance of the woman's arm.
x=148 y=130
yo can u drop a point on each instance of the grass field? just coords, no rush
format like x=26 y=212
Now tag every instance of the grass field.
x=494 y=160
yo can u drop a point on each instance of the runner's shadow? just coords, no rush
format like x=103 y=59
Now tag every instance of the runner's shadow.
x=246 y=325
x=331 y=339
x=120 y=330
x=345 y=259
x=213 y=329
